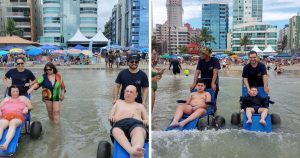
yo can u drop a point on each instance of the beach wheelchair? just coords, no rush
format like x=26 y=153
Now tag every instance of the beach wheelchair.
x=104 y=149
x=199 y=122
x=33 y=129
x=271 y=119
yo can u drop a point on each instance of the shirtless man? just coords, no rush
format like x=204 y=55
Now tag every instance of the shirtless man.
x=129 y=122
x=195 y=105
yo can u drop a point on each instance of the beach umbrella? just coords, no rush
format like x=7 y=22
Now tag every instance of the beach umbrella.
x=17 y=51
x=78 y=46
x=73 y=52
x=144 y=50
x=3 y=52
x=34 y=52
x=165 y=56
x=58 y=52
x=30 y=47
x=48 y=47
x=87 y=52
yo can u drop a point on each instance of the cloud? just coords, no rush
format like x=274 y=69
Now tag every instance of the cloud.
x=104 y=12
x=277 y=16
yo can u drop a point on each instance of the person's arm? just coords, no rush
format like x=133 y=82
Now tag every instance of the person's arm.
x=5 y=80
x=170 y=65
x=63 y=90
x=144 y=95
x=214 y=78
x=116 y=92
x=197 y=73
x=246 y=83
x=145 y=116
x=207 y=97
x=189 y=99
x=179 y=65
x=265 y=81
x=112 y=112
x=35 y=86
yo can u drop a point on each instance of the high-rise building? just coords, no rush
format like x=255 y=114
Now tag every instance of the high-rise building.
x=247 y=11
x=130 y=26
x=61 y=20
x=174 y=12
x=294 y=38
x=215 y=19
x=21 y=12
x=282 y=33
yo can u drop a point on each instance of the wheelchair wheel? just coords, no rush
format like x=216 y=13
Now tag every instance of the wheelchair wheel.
x=219 y=121
x=201 y=125
x=235 y=118
x=104 y=150
x=35 y=130
x=275 y=119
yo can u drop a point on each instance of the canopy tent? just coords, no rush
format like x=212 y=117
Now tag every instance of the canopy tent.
x=15 y=40
x=256 y=49
x=99 y=38
x=80 y=47
x=78 y=38
x=269 y=49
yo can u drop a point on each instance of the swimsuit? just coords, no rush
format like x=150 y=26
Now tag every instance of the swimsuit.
x=13 y=109
x=154 y=83
x=54 y=89
x=127 y=125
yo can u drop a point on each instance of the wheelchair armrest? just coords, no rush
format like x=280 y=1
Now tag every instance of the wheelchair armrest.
x=181 y=101
x=208 y=103
x=271 y=102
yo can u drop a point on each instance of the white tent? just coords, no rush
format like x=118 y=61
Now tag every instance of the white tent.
x=256 y=49
x=78 y=37
x=99 y=37
x=269 y=49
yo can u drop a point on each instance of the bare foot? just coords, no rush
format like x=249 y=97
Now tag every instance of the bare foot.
x=174 y=124
x=249 y=121
x=263 y=122
x=182 y=124
x=137 y=153
x=3 y=146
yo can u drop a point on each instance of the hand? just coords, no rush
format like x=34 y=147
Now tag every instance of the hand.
x=214 y=87
x=249 y=91
x=144 y=103
x=266 y=89
x=62 y=97
x=242 y=110
x=25 y=111
x=145 y=122
x=111 y=119
x=156 y=78
x=192 y=86
x=26 y=85
x=114 y=101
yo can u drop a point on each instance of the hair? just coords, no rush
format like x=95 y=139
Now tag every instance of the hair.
x=11 y=87
x=52 y=66
x=200 y=81
x=253 y=87
x=19 y=58
x=252 y=52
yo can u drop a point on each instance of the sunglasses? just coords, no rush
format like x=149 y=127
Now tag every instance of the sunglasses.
x=20 y=63
x=49 y=69
x=134 y=61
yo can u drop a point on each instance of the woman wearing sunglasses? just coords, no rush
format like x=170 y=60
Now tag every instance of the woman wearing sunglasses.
x=21 y=77
x=53 y=91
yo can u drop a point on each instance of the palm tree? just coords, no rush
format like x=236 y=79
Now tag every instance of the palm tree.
x=284 y=42
x=204 y=36
x=11 y=28
x=182 y=49
x=244 y=42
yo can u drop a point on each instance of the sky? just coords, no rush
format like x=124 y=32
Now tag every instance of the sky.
x=275 y=12
x=105 y=10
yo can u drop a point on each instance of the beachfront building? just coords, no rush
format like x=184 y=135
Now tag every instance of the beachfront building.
x=129 y=23
x=294 y=38
x=215 y=19
x=245 y=11
x=174 y=12
x=23 y=12
x=260 y=34
x=61 y=20
x=282 y=33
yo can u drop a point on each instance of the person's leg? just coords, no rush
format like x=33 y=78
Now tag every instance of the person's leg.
x=120 y=137
x=138 y=136
x=249 y=112
x=56 y=111
x=49 y=106
x=178 y=114
x=13 y=124
x=153 y=95
x=3 y=125
x=264 y=113
x=194 y=115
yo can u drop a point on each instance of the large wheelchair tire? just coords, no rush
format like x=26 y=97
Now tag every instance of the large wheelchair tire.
x=35 y=130
x=104 y=150
x=202 y=124
x=235 y=118
x=275 y=119
x=219 y=121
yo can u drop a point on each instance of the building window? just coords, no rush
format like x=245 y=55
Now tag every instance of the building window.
x=88 y=29
x=51 y=10
x=88 y=10
x=50 y=1
x=85 y=20
x=52 y=30
x=88 y=1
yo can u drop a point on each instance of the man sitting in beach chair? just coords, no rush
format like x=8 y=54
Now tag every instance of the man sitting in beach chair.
x=129 y=120
x=195 y=106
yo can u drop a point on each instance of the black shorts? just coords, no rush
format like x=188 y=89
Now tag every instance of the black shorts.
x=176 y=71
x=127 y=125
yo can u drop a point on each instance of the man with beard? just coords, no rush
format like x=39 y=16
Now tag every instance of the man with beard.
x=255 y=73
x=132 y=76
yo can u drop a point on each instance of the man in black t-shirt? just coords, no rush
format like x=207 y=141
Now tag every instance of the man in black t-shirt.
x=207 y=69
x=132 y=76
x=255 y=73
x=21 y=77
x=176 y=66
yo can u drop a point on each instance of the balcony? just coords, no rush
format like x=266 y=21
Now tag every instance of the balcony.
x=18 y=4
x=22 y=24
x=17 y=14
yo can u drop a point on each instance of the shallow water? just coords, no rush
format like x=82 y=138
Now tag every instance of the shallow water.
x=84 y=114
x=231 y=141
